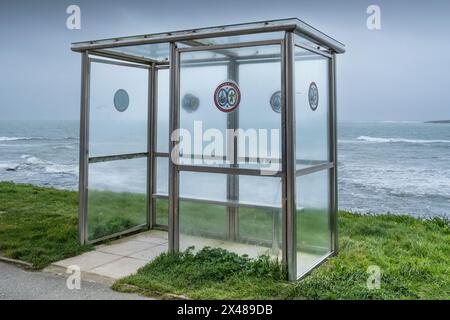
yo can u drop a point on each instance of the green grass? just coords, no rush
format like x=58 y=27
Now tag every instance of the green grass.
x=413 y=256
x=38 y=225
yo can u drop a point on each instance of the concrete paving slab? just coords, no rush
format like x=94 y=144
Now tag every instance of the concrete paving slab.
x=124 y=257
x=88 y=260
x=150 y=239
x=119 y=268
x=158 y=234
x=149 y=254
x=124 y=248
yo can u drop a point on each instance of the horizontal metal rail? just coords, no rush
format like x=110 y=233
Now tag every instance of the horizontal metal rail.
x=118 y=234
x=122 y=56
x=216 y=47
x=228 y=203
x=119 y=63
x=240 y=159
x=320 y=167
x=118 y=157
x=313 y=50
x=230 y=170
x=169 y=37
x=299 y=27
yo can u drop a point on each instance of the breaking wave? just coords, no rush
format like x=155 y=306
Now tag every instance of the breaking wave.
x=15 y=138
x=48 y=166
x=36 y=138
x=397 y=140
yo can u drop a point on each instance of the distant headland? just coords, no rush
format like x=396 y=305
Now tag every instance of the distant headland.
x=438 y=121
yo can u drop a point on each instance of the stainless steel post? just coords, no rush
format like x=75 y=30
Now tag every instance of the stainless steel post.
x=174 y=236
x=84 y=151
x=151 y=134
x=233 y=180
x=289 y=162
x=334 y=159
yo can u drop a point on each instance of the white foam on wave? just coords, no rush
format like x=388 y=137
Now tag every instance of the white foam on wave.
x=397 y=140
x=396 y=178
x=61 y=168
x=32 y=159
x=48 y=166
x=15 y=138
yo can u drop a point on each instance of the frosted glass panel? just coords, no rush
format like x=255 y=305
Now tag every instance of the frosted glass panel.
x=259 y=84
x=311 y=108
x=200 y=83
x=211 y=186
x=114 y=130
x=260 y=190
x=313 y=219
x=162 y=136
x=162 y=175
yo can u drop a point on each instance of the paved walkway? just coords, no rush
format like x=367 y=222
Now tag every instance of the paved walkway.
x=120 y=258
x=123 y=257
x=18 y=284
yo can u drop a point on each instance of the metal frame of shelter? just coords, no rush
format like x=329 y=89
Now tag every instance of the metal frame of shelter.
x=294 y=34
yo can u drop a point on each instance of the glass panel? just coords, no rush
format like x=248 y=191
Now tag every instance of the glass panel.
x=261 y=226
x=162 y=135
x=311 y=108
x=116 y=196
x=154 y=51
x=211 y=186
x=313 y=219
x=162 y=188
x=205 y=125
x=260 y=190
x=162 y=176
x=200 y=83
x=234 y=39
x=255 y=231
x=162 y=212
x=118 y=110
x=259 y=83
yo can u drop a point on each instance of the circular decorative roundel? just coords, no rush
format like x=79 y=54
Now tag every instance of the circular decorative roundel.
x=275 y=101
x=190 y=103
x=121 y=100
x=227 y=96
x=313 y=96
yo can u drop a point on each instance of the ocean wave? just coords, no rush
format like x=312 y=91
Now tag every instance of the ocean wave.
x=61 y=168
x=36 y=138
x=48 y=166
x=9 y=166
x=396 y=140
x=15 y=138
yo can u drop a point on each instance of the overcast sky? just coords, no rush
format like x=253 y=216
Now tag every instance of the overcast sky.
x=401 y=72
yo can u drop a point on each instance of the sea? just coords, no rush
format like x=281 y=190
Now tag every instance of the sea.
x=394 y=167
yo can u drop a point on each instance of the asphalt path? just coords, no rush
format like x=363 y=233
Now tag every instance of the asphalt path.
x=19 y=284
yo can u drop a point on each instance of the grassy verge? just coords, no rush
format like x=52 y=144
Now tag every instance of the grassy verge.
x=412 y=255
x=38 y=225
